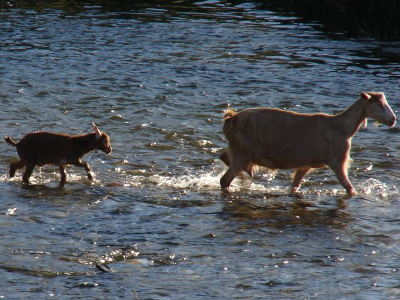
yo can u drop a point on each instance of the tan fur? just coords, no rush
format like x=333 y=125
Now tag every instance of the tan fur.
x=280 y=139
x=228 y=114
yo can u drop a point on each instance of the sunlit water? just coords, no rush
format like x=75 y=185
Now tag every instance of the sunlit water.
x=157 y=80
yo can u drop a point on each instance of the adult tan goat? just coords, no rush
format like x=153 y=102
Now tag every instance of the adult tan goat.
x=280 y=139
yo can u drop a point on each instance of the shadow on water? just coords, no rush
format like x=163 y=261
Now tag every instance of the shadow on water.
x=77 y=264
x=282 y=212
x=73 y=193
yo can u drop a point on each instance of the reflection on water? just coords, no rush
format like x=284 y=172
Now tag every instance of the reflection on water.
x=275 y=213
x=154 y=224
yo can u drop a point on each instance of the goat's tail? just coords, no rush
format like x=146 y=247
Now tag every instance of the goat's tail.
x=229 y=114
x=10 y=141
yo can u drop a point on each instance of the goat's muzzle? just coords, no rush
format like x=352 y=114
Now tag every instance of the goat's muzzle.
x=391 y=123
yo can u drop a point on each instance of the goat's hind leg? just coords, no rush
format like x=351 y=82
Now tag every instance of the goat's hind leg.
x=63 y=175
x=15 y=166
x=298 y=176
x=227 y=161
x=227 y=178
x=233 y=170
x=225 y=157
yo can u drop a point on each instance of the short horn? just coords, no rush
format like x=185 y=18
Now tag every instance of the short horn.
x=96 y=130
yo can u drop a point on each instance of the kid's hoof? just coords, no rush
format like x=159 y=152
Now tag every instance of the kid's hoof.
x=90 y=175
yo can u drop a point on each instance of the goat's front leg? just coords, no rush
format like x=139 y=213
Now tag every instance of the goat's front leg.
x=87 y=168
x=341 y=173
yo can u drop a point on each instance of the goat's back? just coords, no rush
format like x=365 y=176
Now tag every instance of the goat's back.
x=46 y=147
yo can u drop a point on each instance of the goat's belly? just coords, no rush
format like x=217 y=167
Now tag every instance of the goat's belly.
x=58 y=162
x=42 y=163
x=283 y=155
x=288 y=163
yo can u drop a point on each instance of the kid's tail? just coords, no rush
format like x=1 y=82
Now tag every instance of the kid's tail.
x=10 y=141
x=229 y=114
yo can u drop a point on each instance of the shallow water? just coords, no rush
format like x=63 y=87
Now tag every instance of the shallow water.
x=157 y=80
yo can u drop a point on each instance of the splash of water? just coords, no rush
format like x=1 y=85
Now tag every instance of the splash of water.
x=209 y=179
x=374 y=189
x=198 y=181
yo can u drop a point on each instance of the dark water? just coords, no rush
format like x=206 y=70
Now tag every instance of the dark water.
x=156 y=80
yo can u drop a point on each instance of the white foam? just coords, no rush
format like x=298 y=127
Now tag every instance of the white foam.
x=201 y=180
x=209 y=179
x=374 y=189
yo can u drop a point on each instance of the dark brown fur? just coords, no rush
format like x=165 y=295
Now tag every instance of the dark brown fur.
x=42 y=148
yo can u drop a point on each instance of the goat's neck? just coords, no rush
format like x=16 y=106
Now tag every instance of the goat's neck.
x=351 y=119
x=86 y=143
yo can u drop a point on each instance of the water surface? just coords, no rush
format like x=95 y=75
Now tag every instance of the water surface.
x=157 y=79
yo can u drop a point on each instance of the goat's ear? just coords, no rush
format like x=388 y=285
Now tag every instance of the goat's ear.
x=97 y=131
x=365 y=96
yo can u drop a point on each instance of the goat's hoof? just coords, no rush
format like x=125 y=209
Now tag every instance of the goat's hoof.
x=294 y=191
x=224 y=191
x=351 y=193
x=102 y=267
x=90 y=175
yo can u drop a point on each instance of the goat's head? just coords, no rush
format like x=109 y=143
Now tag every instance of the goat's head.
x=378 y=109
x=102 y=140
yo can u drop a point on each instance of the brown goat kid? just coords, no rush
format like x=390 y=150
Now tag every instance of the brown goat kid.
x=42 y=148
x=280 y=139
